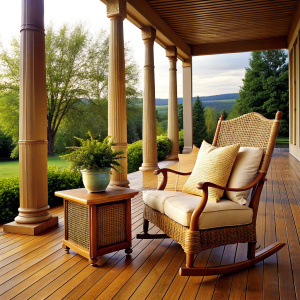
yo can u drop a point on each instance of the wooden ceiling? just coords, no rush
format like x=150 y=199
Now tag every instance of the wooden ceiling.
x=199 y=27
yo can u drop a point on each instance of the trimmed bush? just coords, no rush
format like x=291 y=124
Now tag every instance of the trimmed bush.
x=134 y=156
x=163 y=147
x=181 y=140
x=135 y=152
x=58 y=179
x=9 y=199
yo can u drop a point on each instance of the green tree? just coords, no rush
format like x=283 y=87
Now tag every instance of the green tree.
x=265 y=87
x=211 y=120
x=9 y=93
x=199 y=126
x=77 y=79
x=180 y=116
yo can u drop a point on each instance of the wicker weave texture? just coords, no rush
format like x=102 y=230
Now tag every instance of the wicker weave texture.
x=209 y=238
x=250 y=130
x=111 y=224
x=78 y=224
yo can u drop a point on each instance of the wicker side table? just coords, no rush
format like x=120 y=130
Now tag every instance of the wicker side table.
x=97 y=223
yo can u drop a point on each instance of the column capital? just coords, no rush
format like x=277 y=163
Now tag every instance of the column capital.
x=171 y=52
x=116 y=8
x=187 y=63
x=148 y=33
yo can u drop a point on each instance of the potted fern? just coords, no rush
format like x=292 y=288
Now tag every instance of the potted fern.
x=95 y=160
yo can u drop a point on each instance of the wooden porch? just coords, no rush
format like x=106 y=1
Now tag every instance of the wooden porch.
x=37 y=267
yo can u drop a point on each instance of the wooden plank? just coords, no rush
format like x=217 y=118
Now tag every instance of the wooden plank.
x=270 y=280
x=93 y=285
x=284 y=266
x=142 y=282
x=145 y=264
x=170 y=275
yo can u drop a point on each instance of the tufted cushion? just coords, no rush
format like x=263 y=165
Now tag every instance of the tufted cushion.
x=221 y=214
x=156 y=199
x=243 y=172
x=212 y=165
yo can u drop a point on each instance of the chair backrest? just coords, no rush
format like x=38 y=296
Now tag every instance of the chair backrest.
x=249 y=130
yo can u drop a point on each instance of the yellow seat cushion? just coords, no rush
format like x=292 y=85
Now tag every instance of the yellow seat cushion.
x=212 y=165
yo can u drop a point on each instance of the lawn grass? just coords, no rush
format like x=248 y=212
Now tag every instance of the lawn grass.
x=10 y=169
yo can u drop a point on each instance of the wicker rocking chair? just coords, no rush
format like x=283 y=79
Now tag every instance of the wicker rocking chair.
x=250 y=130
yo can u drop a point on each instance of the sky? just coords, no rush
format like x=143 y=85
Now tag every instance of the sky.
x=212 y=74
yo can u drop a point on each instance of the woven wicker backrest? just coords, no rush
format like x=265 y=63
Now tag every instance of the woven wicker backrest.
x=250 y=130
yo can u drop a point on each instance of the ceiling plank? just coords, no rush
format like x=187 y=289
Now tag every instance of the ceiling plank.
x=239 y=46
x=293 y=24
x=141 y=14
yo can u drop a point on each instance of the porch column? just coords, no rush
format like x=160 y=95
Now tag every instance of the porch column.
x=33 y=215
x=173 y=131
x=149 y=112
x=117 y=117
x=187 y=106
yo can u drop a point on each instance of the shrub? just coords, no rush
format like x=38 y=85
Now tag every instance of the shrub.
x=135 y=152
x=61 y=179
x=163 y=147
x=134 y=156
x=58 y=179
x=9 y=199
x=181 y=140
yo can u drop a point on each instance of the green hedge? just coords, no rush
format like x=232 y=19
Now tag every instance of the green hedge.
x=134 y=156
x=135 y=152
x=58 y=179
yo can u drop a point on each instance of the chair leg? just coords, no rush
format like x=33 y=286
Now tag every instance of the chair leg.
x=145 y=226
x=251 y=250
x=189 y=260
x=146 y=235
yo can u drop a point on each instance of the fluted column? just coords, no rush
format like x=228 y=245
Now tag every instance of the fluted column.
x=173 y=131
x=187 y=106
x=149 y=112
x=33 y=212
x=117 y=116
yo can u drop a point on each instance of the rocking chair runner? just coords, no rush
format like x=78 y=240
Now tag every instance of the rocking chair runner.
x=250 y=130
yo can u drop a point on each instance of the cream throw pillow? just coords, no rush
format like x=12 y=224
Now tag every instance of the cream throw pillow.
x=243 y=172
x=212 y=165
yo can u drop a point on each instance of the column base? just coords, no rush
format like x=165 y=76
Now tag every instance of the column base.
x=186 y=150
x=123 y=183
x=30 y=229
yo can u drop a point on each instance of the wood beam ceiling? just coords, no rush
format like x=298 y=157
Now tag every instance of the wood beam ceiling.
x=239 y=46
x=141 y=14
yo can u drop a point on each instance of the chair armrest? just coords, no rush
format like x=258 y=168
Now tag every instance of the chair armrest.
x=164 y=172
x=206 y=185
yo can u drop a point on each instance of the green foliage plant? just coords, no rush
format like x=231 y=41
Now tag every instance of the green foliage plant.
x=265 y=87
x=134 y=156
x=135 y=152
x=58 y=179
x=163 y=147
x=199 y=123
x=93 y=155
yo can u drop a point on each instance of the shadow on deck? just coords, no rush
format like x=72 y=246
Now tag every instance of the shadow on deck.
x=38 y=267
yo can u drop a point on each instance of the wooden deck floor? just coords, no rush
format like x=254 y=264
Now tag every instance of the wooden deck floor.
x=37 y=267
